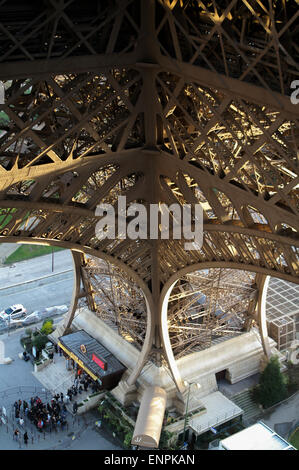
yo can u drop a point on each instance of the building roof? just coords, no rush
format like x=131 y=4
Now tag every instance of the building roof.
x=282 y=299
x=256 y=437
x=92 y=354
x=219 y=409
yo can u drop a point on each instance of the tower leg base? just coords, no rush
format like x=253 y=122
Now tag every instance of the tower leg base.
x=125 y=393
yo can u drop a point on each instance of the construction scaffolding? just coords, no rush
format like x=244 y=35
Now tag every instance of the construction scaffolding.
x=210 y=306
x=205 y=307
x=118 y=300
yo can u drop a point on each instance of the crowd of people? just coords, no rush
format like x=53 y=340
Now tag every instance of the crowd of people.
x=51 y=415
x=81 y=382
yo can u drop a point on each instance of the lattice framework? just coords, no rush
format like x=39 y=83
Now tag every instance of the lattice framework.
x=160 y=101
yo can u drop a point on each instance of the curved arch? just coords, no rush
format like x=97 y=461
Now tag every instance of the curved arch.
x=262 y=282
x=230 y=265
x=242 y=261
x=163 y=308
x=254 y=232
x=76 y=291
x=142 y=358
x=148 y=341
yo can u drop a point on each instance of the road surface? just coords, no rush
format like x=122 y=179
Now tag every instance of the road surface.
x=33 y=284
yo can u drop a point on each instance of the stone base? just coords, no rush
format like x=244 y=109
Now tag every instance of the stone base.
x=125 y=393
x=181 y=400
x=239 y=357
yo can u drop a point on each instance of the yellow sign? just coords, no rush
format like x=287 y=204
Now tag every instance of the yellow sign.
x=78 y=361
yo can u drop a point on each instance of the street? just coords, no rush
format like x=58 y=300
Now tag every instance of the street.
x=18 y=382
x=33 y=284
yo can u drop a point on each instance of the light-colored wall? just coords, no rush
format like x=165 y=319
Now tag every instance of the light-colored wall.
x=241 y=356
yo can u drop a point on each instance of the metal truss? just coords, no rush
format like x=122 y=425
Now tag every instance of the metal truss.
x=118 y=300
x=160 y=101
x=210 y=306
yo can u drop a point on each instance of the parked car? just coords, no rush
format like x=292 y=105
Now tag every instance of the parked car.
x=32 y=318
x=13 y=312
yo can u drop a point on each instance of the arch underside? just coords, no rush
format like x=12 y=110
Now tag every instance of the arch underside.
x=162 y=102
x=174 y=261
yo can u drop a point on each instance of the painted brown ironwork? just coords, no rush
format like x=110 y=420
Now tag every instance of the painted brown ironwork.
x=161 y=101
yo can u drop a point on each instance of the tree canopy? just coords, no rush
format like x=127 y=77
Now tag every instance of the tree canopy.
x=272 y=387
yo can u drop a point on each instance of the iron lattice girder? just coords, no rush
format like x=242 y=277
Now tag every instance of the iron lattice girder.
x=236 y=240
x=68 y=144
x=250 y=41
x=160 y=101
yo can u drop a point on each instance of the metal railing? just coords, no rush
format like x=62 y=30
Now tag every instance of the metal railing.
x=9 y=423
x=222 y=418
x=21 y=390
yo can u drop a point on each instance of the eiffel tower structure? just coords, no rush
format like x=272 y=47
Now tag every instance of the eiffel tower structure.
x=161 y=101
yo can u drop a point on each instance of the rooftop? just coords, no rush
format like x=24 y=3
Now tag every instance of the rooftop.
x=219 y=410
x=256 y=437
x=93 y=354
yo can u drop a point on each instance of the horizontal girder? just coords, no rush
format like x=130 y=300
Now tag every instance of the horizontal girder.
x=161 y=101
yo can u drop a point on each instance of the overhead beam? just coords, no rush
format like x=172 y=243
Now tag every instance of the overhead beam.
x=78 y=64
x=235 y=88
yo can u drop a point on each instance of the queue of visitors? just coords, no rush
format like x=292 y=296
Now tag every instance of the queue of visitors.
x=52 y=415
x=44 y=416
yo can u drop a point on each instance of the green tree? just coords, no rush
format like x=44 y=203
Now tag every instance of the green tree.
x=272 y=385
x=47 y=327
x=164 y=439
x=40 y=342
x=128 y=439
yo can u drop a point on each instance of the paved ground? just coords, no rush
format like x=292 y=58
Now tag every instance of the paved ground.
x=6 y=249
x=35 y=268
x=17 y=381
x=41 y=287
x=233 y=389
x=284 y=418
x=57 y=378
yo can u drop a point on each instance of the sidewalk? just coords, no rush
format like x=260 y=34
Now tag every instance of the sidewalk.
x=284 y=417
x=33 y=284
x=7 y=249
x=18 y=382
x=79 y=434
x=56 y=378
x=34 y=268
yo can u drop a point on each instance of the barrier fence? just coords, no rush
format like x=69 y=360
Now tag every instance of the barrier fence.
x=51 y=434
x=222 y=418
